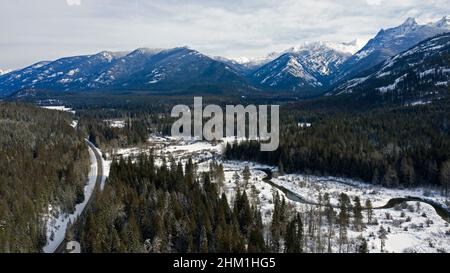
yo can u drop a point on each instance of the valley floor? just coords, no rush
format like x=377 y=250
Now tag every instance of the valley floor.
x=410 y=227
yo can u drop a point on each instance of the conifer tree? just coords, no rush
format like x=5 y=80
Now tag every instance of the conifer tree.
x=275 y=228
x=246 y=175
x=256 y=243
x=294 y=236
x=330 y=215
x=220 y=176
x=237 y=179
x=369 y=211
x=357 y=214
x=382 y=234
x=343 y=219
x=362 y=246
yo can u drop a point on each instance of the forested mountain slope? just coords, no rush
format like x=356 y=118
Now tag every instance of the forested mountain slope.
x=418 y=74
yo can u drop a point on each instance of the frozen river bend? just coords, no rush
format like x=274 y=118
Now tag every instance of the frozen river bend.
x=407 y=225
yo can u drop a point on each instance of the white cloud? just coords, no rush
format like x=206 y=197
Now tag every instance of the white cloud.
x=73 y=2
x=374 y=2
x=48 y=29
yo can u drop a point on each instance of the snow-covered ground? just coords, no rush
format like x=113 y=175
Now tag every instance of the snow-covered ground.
x=60 y=108
x=309 y=187
x=416 y=228
x=410 y=228
x=115 y=123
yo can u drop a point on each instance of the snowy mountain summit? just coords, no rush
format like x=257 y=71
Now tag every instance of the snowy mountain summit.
x=303 y=67
x=418 y=74
x=4 y=71
x=390 y=42
x=443 y=23
x=348 y=48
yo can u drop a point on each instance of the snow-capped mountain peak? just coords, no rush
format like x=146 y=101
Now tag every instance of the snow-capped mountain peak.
x=444 y=22
x=242 y=60
x=107 y=56
x=256 y=60
x=4 y=71
x=345 y=47
x=323 y=58
x=302 y=67
x=144 y=51
x=390 y=42
x=247 y=65
x=349 y=47
x=409 y=22
x=308 y=46
x=412 y=74
x=410 y=25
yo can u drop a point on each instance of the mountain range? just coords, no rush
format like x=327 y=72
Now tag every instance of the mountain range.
x=307 y=69
x=388 y=43
x=143 y=69
x=414 y=76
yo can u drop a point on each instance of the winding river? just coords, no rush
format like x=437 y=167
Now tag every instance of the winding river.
x=440 y=210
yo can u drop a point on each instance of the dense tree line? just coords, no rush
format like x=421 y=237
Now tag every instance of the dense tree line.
x=172 y=208
x=142 y=115
x=43 y=161
x=103 y=135
x=136 y=130
x=146 y=208
x=401 y=146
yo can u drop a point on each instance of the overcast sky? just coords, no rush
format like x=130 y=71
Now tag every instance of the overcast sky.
x=35 y=30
